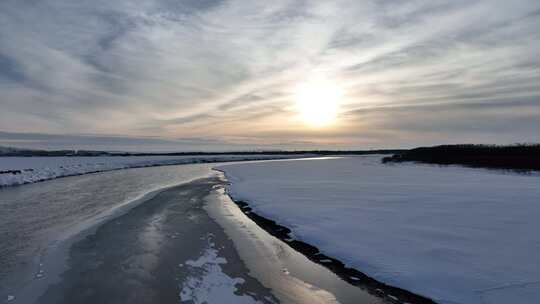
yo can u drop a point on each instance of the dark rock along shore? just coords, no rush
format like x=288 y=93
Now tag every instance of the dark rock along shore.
x=350 y=275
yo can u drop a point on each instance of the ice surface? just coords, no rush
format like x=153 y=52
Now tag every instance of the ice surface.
x=208 y=283
x=23 y=170
x=457 y=235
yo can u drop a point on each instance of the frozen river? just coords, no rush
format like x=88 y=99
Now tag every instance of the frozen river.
x=148 y=235
x=35 y=218
x=168 y=234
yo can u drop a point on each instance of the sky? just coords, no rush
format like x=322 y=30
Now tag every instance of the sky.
x=167 y=75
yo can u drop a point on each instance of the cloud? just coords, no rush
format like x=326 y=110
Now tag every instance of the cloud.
x=146 y=144
x=227 y=69
x=115 y=143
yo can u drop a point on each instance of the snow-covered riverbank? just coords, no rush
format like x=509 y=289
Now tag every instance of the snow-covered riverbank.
x=457 y=235
x=24 y=170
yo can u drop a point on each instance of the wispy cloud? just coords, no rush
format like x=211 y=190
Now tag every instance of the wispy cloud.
x=227 y=69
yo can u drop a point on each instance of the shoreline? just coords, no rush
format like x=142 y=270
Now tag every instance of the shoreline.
x=349 y=275
x=290 y=275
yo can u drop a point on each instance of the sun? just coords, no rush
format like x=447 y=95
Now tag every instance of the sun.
x=318 y=102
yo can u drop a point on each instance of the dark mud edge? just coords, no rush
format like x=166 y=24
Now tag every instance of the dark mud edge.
x=350 y=275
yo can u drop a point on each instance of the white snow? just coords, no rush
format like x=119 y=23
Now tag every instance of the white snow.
x=34 y=169
x=209 y=284
x=457 y=235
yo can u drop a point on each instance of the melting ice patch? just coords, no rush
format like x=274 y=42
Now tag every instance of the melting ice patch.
x=208 y=283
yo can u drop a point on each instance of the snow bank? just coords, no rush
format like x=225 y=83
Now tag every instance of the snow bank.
x=23 y=170
x=454 y=234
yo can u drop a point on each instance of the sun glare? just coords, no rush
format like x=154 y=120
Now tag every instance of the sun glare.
x=318 y=102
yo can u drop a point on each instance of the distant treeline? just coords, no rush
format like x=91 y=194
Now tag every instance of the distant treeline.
x=29 y=153
x=516 y=157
